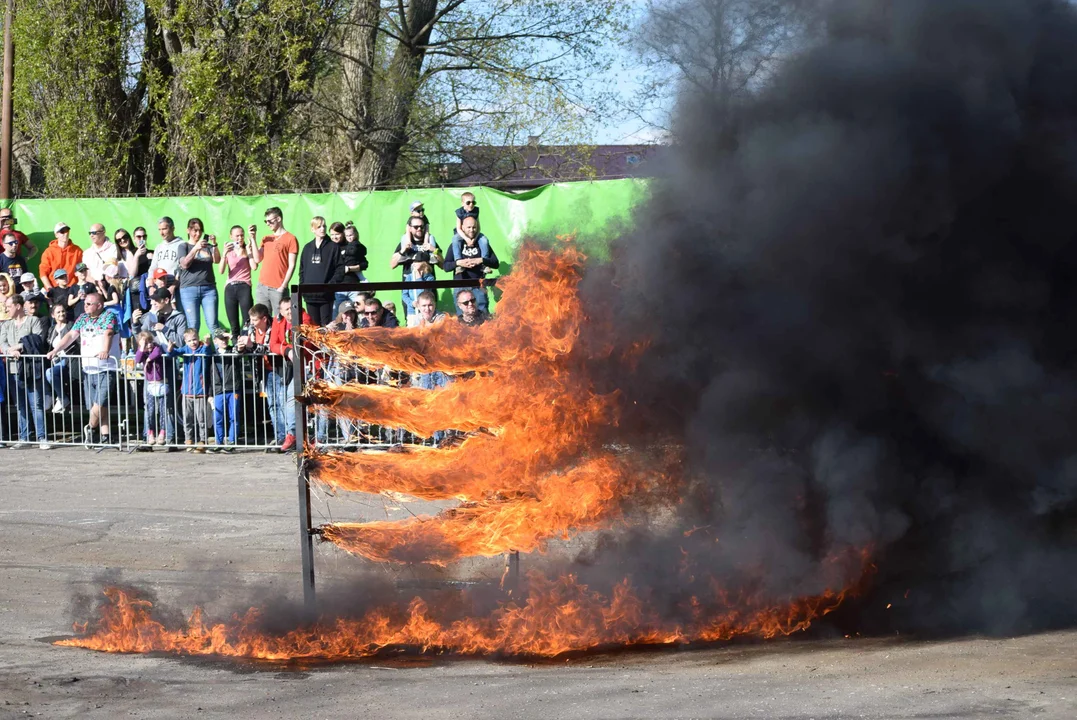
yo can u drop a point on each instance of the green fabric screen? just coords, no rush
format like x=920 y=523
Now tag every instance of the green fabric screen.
x=593 y=210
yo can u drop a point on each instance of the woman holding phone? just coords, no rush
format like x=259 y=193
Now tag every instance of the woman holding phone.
x=239 y=263
x=197 y=286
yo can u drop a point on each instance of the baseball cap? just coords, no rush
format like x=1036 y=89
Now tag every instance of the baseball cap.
x=81 y=266
x=347 y=306
x=223 y=333
x=60 y=226
x=26 y=277
x=416 y=206
x=58 y=273
x=111 y=270
x=161 y=294
x=159 y=273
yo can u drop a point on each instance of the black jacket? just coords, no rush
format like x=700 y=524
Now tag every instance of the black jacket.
x=320 y=266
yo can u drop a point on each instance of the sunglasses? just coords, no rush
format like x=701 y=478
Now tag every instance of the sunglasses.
x=416 y=227
x=9 y=243
x=139 y=237
x=469 y=202
x=96 y=232
x=270 y=221
x=370 y=312
x=467 y=302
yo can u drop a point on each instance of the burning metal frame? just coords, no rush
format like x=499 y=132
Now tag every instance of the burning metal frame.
x=307 y=530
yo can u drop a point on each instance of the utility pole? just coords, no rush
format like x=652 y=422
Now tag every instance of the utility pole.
x=5 y=122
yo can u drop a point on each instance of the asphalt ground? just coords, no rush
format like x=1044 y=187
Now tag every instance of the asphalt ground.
x=213 y=529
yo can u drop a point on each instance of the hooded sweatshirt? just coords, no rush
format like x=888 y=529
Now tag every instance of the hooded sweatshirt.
x=56 y=258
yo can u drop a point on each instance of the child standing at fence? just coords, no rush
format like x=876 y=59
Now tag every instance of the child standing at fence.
x=195 y=366
x=420 y=272
x=224 y=379
x=151 y=357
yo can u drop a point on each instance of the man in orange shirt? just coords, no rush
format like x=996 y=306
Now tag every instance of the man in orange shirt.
x=61 y=254
x=276 y=258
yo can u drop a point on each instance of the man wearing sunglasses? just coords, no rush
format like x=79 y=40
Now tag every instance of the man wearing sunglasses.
x=10 y=260
x=374 y=315
x=470 y=314
x=277 y=256
x=470 y=257
x=61 y=254
x=100 y=253
x=417 y=245
x=8 y=221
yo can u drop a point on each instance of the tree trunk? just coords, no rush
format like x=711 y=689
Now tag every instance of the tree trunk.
x=384 y=131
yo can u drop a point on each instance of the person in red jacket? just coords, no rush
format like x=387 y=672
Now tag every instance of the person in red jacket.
x=61 y=254
x=279 y=376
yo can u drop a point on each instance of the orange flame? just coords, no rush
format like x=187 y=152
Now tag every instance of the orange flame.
x=523 y=478
x=534 y=468
x=558 y=616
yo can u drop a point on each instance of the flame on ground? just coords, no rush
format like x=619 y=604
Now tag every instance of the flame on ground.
x=558 y=616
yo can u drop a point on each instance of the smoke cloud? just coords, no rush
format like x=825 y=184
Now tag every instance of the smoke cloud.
x=859 y=295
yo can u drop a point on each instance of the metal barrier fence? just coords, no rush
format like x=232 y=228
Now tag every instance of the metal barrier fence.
x=223 y=402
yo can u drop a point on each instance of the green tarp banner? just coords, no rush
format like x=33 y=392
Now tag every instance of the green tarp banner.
x=595 y=211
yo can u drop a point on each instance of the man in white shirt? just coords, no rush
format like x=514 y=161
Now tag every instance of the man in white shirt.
x=101 y=252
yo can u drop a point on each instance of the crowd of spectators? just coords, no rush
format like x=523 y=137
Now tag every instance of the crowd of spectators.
x=65 y=332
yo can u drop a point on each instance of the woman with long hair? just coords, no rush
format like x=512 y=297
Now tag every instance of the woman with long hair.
x=197 y=286
x=238 y=262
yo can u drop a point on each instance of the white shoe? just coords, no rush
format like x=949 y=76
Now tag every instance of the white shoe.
x=18 y=446
x=57 y=407
x=44 y=446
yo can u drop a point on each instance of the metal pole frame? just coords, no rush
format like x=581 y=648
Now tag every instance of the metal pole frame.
x=306 y=529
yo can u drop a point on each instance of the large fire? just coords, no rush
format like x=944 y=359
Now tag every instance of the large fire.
x=533 y=468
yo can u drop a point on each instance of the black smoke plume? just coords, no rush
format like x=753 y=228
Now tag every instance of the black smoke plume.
x=860 y=294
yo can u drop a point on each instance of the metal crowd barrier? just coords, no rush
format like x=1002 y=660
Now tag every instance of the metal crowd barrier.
x=245 y=407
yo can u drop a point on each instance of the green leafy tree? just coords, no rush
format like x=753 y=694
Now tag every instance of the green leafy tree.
x=243 y=96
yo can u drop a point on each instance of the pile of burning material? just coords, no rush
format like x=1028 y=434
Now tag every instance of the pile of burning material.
x=533 y=468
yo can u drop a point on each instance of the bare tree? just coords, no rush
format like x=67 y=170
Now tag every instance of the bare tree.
x=717 y=49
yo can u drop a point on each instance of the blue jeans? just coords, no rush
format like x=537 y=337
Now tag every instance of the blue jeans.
x=480 y=299
x=224 y=410
x=204 y=296
x=30 y=397
x=55 y=376
x=281 y=404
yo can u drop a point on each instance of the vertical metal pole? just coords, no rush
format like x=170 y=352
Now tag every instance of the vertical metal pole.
x=5 y=121
x=306 y=538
